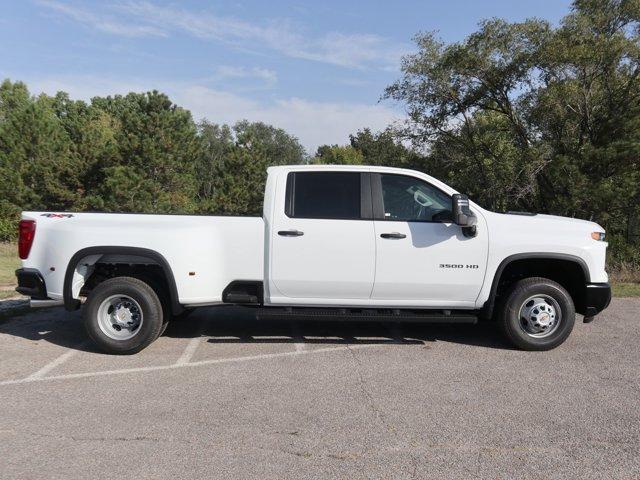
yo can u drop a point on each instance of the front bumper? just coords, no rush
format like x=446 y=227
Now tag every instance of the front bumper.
x=597 y=298
x=31 y=283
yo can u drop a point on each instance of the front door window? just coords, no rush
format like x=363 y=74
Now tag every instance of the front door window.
x=410 y=199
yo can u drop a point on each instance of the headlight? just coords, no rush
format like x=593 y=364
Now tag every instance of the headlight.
x=598 y=236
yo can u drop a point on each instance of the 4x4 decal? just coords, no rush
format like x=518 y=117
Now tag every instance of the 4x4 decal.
x=57 y=215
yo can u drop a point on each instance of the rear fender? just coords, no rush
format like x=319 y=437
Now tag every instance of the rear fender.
x=82 y=262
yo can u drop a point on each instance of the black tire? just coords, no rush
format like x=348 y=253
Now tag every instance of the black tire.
x=515 y=327
x=164 y=327
x=150 y=305
x=162 y=294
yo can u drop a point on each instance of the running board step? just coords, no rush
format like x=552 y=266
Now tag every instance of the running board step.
x=241 y=298
x=437 y=316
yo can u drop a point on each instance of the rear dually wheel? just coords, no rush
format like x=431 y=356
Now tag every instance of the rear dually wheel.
x=123 y=315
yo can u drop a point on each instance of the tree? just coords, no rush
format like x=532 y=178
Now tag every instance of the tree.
x=338 y=155
x=278 y=146
x=94 y=146
x=233 y=164
x=13 y=97
x=588 y=113
x=526 y=116
x=452 y=91
x=217 y=144
x=36 y=166
x=384 y=148
x=154 y=167
x=241 y=179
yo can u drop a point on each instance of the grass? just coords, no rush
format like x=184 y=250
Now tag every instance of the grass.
x=8 y=294
x=626 y=289
x=624 y=272
x=9 y=261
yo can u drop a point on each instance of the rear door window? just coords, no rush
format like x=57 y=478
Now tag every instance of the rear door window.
x=328 y=195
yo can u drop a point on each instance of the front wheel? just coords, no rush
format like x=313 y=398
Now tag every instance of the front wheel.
x=123 y=315
x=537 y=314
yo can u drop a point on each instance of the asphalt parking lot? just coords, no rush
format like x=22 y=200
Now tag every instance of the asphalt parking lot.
x=222 y=395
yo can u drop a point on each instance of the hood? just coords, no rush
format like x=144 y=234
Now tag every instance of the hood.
x=540 y=221
x=569 y=220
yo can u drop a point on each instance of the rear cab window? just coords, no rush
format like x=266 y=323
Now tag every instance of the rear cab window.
x=325 y=195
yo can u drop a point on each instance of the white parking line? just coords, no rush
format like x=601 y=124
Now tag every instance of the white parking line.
x=200 y=363
x=297 y=337
x=189 y=350
x=56 y=362
x=192 y=346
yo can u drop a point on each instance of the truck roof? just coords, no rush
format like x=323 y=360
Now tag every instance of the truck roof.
x=364 y=168
x=352 y=168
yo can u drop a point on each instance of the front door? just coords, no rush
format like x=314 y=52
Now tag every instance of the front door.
x=322 y=241
x=421 y=256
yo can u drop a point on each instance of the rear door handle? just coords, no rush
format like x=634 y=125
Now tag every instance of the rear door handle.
x=393 y=235
x=290 y=233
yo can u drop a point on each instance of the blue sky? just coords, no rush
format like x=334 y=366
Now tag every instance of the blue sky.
x=315 y=68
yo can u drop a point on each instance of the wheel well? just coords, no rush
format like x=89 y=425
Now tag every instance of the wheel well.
x=569 y=273
x=150 y=273
x=90 y=267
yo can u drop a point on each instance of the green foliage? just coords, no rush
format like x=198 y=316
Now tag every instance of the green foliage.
x=384 y=148
x=337 y=155
x=36 y=167
x=152 y=168
x=217 y=144
x=233 y=164
x=240 y=182
x=279 y=147
x=133 y=153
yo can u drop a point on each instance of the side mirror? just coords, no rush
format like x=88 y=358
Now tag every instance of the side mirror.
x=462 y=214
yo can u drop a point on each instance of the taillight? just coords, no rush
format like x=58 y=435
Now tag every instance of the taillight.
x=27 y=229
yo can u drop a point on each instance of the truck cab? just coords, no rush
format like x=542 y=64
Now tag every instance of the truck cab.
x=359 y=241
x=346 y=236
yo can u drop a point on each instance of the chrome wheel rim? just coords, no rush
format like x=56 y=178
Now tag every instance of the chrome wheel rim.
x=540 y=316
x=120 y=317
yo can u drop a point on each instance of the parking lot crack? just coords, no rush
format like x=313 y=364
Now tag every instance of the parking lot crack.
x=366 y=394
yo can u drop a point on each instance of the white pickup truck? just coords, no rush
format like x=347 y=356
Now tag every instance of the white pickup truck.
x=333 y=242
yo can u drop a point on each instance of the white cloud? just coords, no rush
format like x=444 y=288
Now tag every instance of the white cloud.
x=314 y=123
x=226 y=72
x=104 y=23
x=347 y=50
x=144 y=18
x=353 y=50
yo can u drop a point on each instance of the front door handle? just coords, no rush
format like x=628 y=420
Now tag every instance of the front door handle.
x=290 y=233
x=393 y=235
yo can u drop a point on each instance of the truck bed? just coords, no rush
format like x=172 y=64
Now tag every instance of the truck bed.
x=205 y=253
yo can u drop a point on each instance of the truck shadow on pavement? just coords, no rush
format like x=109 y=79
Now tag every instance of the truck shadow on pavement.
x=237 y=325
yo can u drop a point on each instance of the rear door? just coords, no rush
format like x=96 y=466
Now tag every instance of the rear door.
x=322 y=241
